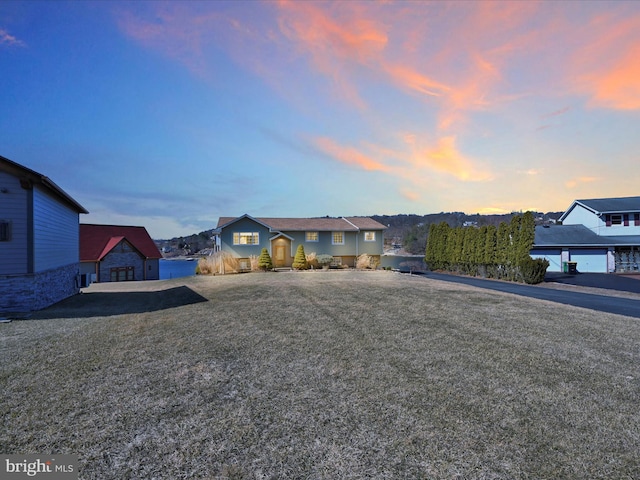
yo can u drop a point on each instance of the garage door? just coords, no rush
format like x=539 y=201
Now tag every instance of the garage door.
x=551 y=255
x=590 y=260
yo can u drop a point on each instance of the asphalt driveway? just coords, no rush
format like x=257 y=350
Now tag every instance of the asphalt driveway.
x=603 y=303
x=597 y=280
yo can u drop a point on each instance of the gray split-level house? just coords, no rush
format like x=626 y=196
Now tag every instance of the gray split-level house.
x=345 y=238
x=39 y=240
x=601 y=235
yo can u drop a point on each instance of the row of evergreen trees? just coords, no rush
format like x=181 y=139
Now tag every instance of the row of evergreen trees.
x=501 y=252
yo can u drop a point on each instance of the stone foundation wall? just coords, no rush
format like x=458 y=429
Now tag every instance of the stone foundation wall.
x=116 y=260
x=26 y=293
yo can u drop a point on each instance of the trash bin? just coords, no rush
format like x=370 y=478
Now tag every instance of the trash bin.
x=573 y=267
x=565 y=267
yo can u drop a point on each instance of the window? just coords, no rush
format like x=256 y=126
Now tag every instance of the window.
x=312 y=237
x=369 y=236
x=122 y=274
x=337 y=238
x=5 y=230
x=616 y=219
x=246 y=238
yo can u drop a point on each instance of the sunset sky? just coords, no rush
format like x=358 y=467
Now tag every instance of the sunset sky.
x=171 y=114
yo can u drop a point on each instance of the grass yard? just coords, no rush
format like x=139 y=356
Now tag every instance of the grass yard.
x=323 y=375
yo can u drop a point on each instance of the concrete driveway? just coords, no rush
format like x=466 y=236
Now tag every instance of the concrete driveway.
x=594 y=301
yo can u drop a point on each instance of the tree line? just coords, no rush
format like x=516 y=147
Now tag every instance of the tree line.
x=501 y=252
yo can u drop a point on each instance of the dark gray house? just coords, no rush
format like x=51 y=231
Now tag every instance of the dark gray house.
x=39 y=240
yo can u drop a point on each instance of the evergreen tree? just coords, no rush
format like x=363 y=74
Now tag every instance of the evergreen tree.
x=300 y=260
x=430 y=250
x=526 y=237
x=503 y=244
x=490 y=243
x=264 y=260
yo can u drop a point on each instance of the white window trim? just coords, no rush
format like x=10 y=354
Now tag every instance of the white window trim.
x=333 y=238
x=306 y=236
x=237 y=236
x=372 y=234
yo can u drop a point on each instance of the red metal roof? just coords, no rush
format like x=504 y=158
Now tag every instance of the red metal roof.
x=96 y=241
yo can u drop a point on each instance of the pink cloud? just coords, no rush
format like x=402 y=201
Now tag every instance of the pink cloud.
x=348 y=155
x=7 y=39
x=335 y=40
x=578 y=181
x=445 y=157
x=607 y=67
x=556 y=113
x=174 y=31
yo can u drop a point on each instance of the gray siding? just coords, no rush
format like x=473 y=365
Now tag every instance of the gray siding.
x=153 y=269
x=244 y=251
x=324 y=244
x=56 y=232
x=371 y=248
x=13 y=207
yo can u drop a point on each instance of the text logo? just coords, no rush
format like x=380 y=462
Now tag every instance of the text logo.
x=47 y=467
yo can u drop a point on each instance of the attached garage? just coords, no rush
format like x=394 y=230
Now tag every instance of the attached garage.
x=589 y=260
x=552 y=255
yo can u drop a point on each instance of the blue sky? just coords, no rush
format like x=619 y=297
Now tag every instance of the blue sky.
x=171 y=114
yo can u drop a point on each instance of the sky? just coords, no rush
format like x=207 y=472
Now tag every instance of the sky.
x=171 y=114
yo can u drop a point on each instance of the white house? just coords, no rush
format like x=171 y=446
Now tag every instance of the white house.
x=39 y=240
x=600 y=235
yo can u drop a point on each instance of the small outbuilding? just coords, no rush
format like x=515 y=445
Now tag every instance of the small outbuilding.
x=116 y=253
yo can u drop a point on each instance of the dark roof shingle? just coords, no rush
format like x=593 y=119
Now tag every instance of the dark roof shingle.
x=349 y=224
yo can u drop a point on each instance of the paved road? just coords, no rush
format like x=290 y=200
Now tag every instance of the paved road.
x=602 y=303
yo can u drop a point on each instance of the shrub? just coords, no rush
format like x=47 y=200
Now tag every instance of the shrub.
x=533 y=270
x=300 y=260
x=264 y=261
x=219 y=262
x=366 y=261
x=324 y=259
x=311 y=260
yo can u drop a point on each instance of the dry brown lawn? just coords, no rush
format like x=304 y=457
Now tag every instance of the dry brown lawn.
x=322 y=375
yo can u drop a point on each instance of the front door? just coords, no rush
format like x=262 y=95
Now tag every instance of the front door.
x=280 y=255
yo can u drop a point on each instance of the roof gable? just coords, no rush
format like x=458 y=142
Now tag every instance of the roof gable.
x=224 y=222
x=325 y=224
x=96 y=241
x=601 y=206
x=29 y=177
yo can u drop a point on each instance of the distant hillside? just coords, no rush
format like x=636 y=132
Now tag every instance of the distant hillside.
x=189 y=245
x=406 y=231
